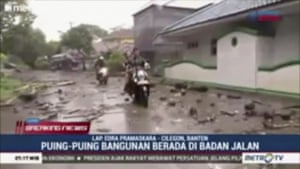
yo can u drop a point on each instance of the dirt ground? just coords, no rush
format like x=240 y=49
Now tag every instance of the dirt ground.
x=191 y=111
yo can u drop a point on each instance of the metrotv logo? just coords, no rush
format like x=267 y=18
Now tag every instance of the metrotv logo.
x=271 y=158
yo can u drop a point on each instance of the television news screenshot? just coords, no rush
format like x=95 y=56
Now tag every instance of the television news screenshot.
x=149 y=84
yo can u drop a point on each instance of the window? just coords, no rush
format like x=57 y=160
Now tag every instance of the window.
x=192 y=45
x=213 y=49
x=234 y=41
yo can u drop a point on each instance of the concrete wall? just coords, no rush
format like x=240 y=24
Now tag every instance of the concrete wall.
x=285 y=79
x=237 y=64
x=190 y=72
x=285 y=45
x=264 y=51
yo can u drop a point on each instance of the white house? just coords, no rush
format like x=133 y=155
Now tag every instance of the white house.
x=223 y=47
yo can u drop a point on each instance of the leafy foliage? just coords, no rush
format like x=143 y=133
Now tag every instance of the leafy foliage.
x=115 y=61
x=25 y=42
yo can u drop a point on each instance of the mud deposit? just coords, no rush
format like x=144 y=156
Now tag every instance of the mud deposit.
x=170 y=111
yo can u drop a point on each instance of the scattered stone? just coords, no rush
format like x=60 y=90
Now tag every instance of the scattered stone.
x=183 y=92
x=245 y=119
x=250 y=113
x=228 y=113
x=212 y=104
x=180 y=86
x=286 y=117
x=268 y=116
x=163 y=98
x=249 y=106
x=207 y=119
x=200 y=89
x=122 y=94
x=172 y=102
x=59 y=91
x=219 y=95
x=127 y=99
x=233 y=97
x=193 y=112
x=173 y=90
x=103 y=130
x=198 y=101
x=28 y=97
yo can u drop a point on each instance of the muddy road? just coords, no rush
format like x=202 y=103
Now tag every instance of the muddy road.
x=170 y=111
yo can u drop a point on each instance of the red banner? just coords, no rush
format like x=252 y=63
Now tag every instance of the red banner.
x=49 y=127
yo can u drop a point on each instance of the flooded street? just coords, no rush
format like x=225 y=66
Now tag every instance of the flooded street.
x=111 y=111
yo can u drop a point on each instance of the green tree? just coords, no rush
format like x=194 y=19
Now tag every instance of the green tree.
x=53 y=47
x=80 y=37
x=25 y=42
x=95 y=30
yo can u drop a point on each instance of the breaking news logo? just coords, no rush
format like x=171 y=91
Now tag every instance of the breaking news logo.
x=37 y=126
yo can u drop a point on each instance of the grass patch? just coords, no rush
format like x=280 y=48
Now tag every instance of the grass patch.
x=8 y=86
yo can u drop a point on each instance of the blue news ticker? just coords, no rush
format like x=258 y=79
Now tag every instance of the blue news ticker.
x=32 y=143
x=32 y=120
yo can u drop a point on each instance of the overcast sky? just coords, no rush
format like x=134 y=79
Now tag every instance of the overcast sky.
x=54 y=16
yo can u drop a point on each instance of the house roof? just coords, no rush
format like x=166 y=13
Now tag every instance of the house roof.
x=119 y=34
x=220 y=10
x=164 y=6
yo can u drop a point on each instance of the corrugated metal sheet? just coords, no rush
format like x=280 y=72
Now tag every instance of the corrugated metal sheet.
x=221 y=9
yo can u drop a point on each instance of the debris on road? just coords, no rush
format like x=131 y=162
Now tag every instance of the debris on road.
x=193 y=112
x=212 y=104
x=162 y=98
x=127 y=99
x=207 y=120
x=8 y=103
x=219 y=95
x=173 y=90
x=172 y=102
x=182 y=92
x=49 y=116
x=28 y=96
x=200 y=89
x=227 y=113
x=65 y=83
x=269 y=125
x=73 y=111
x=233 y=97
x=198 y=101
x=176 y=121
x=291 y=107
x=179 y=86
x=59 y=91
x=44 y=107
x=249 y=106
